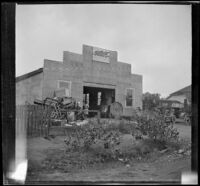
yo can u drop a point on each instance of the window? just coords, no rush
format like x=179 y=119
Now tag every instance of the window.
x=129 y=97
x=65 y=85
x=99 y=98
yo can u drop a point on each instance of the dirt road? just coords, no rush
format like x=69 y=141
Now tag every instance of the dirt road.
x=161 y=170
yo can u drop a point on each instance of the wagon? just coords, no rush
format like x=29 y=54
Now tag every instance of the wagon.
x=61 y=108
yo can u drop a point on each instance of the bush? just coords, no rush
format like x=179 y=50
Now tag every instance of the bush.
x=109 y=133
x=157 y=129
x=125 y=127
x=82 y=137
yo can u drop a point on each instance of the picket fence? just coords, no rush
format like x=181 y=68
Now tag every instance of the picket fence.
x=32 y=120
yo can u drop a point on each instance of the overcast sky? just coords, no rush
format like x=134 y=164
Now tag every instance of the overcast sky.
x=154 y=39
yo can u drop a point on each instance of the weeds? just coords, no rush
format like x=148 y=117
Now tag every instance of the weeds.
x=157 y=129
x=159 y=132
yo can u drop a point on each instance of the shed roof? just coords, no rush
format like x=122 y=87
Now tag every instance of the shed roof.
x=30 y=74
x=184 y=91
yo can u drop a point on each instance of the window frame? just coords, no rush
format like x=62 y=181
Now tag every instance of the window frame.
x=126 y=98
x=58 y=87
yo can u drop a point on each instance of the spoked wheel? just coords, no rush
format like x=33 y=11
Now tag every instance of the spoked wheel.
x=116 y=110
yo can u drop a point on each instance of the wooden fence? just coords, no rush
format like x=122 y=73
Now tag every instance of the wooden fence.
x=31 y=118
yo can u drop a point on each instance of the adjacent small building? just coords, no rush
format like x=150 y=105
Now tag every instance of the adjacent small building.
x=163 y=103
x=183 y=95
x=95 y=77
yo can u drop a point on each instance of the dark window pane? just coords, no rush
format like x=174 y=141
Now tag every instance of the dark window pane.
x=129 y=102
x=129 y=97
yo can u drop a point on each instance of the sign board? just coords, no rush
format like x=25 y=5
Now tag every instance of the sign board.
x=101 y=55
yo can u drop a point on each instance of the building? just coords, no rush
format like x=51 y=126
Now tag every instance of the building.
x=170 y=104
x=95 y=76
x=183 y=95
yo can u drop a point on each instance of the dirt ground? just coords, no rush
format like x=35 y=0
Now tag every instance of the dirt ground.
x=159 y=167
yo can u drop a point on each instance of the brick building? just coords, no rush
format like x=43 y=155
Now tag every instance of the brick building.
x=95 y=76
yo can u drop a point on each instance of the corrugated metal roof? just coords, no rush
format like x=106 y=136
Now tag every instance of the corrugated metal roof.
x=30 y=74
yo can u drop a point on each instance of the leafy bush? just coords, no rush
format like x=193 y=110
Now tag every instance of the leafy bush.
x=82 y=137
x=125 y=127
x=109 y=133
x=156 y=128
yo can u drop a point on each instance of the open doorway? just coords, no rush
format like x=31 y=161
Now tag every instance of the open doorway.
x=97 y=97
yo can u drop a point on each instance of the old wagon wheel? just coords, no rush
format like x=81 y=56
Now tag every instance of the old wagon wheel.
x=116 y=110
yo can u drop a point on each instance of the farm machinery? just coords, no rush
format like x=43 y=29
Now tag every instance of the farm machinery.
x=61 y=109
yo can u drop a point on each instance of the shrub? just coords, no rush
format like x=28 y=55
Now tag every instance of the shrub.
x=109 y=133
x=82 y=137
x=157 y=129
x=125 y=127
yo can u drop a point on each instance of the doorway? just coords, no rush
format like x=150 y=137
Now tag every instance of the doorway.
x=97 y=97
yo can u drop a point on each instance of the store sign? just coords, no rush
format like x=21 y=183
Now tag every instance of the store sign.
x=101 y=55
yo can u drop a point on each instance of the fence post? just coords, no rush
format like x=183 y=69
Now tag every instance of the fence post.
x=21 y=122
x=31 y=120
x=40 y=121
x=28 y=123
x=34 y=121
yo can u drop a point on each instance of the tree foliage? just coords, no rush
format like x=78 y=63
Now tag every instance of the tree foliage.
x=156 y=127
x=150 y=101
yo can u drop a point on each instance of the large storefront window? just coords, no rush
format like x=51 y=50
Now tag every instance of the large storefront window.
x=129 y=97
x=65 y=85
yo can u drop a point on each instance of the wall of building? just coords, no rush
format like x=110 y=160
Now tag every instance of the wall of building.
x=29 y=89
x=54 y=71
x=98 y=72
x=81 y=71
x=137 y=85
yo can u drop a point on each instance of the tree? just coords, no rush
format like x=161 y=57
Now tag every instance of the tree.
x=150 y=101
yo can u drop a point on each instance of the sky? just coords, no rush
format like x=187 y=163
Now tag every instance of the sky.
x=154 y=39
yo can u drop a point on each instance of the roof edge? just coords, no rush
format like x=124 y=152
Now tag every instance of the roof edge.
x=28 y=75
x=180 y=91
